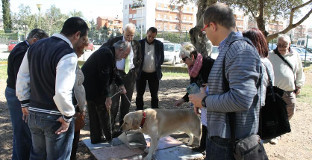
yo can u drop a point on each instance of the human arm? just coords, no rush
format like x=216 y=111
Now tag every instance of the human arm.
x=162 y=54
x=300 y=77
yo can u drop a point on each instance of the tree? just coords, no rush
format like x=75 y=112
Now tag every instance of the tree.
x=7 y=22
x=24 y=20
x=75 y=13
x=264 y=10
x=54 y=20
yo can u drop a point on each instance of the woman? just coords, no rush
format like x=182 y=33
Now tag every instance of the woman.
x=259 y=41
x=198 y=69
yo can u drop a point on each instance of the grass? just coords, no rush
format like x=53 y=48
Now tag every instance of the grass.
x=3 y=72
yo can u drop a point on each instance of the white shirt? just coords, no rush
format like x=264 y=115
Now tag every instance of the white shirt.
x=149 y=58
x=121 y=63
x=64 y=81
x=284 y=77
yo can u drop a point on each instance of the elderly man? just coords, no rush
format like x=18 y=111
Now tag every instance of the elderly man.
x=232 y=84
x=128 y=70
x=99 y=71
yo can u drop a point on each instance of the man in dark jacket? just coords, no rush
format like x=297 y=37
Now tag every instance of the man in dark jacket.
x=150 y=69
x=21 y=132
x=127 y=69
x=99 y=71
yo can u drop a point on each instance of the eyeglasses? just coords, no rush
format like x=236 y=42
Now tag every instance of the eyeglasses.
x=184 y=59
x=282 y=45
x=203 y=29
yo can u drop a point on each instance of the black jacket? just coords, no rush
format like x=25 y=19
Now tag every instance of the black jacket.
x=14 y=62
x=99 y=71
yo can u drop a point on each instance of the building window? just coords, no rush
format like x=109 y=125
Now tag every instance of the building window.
x=159 y=5
x=126 y=7
x=184 y=17
x=159 y=16
x=170 y=17
x=190 y=18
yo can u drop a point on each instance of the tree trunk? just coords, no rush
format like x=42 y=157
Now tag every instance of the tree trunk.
x=198 y=39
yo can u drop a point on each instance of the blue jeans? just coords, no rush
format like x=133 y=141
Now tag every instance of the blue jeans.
x=219 y=149
x=21 y=132
x=46 y=144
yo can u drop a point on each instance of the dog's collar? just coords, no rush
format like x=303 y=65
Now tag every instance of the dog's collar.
x=143 y=119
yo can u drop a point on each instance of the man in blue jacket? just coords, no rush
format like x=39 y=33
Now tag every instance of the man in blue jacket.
x=150 y=70
x=21 y=133
x=239 y=65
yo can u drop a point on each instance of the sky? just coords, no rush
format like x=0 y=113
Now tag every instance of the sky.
x=91 y=9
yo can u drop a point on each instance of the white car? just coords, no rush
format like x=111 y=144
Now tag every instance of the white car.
x=214 y=52
x=172 y=52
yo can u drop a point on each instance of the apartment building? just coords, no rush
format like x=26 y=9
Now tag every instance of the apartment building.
x=160 y=14
x=109 y=22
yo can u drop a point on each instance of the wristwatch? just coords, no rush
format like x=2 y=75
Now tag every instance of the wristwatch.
x=203 y=102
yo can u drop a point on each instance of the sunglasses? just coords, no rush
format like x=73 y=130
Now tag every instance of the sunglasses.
x=184 y=59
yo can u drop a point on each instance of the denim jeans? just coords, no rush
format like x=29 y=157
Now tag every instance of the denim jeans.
x=46 y=144
x=219 y=149
x=21 y=132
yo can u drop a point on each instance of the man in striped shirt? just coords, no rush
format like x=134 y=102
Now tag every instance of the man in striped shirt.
x=238 y=64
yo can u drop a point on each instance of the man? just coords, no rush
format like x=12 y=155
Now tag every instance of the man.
x=289 y=79
x=128 y=70
x=150 y=69
x=21 y=132
x=44 y=87
x=99 y=71
x=242 y=72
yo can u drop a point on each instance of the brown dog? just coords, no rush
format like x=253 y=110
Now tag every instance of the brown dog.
x=162 y=122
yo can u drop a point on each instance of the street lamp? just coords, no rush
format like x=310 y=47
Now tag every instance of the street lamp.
x=39 y=8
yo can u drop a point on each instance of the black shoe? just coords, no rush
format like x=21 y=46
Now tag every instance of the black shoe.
x=98 y=141
x=199 y=149
x=117 y=133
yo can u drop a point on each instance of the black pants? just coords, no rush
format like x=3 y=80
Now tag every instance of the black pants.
x=129 y=81
x=153 y=84
x=99 y=122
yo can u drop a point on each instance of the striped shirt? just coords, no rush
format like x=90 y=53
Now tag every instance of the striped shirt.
x=242 y=71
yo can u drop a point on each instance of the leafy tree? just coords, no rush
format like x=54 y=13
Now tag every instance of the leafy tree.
x=75 y=13
x=7 y=22
x=263 y=11
x=93 y=32
x=24 y=20
x=54 y=20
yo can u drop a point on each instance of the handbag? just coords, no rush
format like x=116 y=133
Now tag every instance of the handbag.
x=273 y=115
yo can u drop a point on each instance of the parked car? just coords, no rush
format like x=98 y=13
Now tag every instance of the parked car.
x=90 y=46
x=271 y=46
x=304 y=55
x=172 y=52
x=12 y=44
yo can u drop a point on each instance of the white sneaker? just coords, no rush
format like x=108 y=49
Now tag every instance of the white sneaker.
x=274 y=141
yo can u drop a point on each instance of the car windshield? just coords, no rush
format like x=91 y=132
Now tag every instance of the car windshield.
x=169 y=47
x=13 y=42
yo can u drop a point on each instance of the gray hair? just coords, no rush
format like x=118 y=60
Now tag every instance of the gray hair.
x=121 y=45
x=129 y=26
x=284 y=36
x=186 y=50
x=37 y=33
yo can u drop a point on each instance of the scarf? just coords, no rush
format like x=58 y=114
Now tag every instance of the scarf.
x=194 y=70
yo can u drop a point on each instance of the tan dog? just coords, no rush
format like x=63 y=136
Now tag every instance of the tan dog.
x=162 y=122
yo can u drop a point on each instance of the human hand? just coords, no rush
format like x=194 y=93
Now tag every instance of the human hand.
x=196 y=99
x=179 y=102
x=25 y=114
x=108 y=103
x=123 y=89
x=64 y=126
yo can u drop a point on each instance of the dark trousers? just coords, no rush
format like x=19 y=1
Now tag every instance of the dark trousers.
x=129 y=81
x=75 y=145
x=99 y=122
x=153 y=84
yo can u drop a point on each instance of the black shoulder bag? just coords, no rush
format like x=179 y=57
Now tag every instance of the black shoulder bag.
x=249 y=148
x=273 y=115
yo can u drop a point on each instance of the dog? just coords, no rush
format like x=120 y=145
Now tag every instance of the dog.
x=159 y=123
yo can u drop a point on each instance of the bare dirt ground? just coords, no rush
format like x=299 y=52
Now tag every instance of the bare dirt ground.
x=295 y=145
